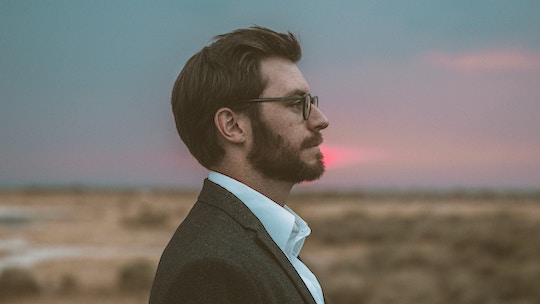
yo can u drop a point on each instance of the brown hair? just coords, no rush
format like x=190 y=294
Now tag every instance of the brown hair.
x=221 y=74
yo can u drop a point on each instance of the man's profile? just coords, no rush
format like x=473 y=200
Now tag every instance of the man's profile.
x=246 y=113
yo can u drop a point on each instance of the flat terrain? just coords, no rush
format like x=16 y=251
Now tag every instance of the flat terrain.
x=102 y=247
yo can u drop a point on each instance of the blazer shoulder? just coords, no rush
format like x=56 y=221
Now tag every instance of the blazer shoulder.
x=221 y=253
x=220 y=198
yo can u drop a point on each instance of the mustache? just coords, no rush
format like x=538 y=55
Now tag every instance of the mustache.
x=312 y=141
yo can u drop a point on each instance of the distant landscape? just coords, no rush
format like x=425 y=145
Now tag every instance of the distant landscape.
x=90 y=246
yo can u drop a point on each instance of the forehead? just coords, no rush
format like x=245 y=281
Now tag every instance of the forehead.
x=283 y=78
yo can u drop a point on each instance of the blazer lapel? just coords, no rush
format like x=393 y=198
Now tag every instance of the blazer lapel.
x=219 y=197
x=266 y=241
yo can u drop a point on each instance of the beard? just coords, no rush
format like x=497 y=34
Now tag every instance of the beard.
x=272 y=156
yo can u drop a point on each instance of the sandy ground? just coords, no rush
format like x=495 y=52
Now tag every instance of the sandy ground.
x=87 y=237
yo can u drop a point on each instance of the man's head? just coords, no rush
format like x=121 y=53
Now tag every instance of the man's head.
x=250 y=65
x=221 y=74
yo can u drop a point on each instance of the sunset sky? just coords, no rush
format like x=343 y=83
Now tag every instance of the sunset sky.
x=419 y=94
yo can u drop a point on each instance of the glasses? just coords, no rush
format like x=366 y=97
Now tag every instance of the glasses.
x=307 y=101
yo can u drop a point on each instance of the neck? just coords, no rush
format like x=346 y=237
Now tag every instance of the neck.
x=277 y=191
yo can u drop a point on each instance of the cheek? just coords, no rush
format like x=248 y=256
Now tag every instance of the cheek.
x=285 y=125
x=287 y=130
x=294 y=135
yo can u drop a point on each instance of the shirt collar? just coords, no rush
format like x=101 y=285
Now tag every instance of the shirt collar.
x=281 y=223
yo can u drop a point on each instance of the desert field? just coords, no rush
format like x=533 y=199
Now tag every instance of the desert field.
x=83 y=246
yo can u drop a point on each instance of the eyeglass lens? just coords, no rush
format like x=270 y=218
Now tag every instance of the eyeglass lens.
x=308 y=102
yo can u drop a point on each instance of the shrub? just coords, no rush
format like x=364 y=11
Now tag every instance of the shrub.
x=146 y=218
x=136 y=276
x=68 y=284
x=16 y=282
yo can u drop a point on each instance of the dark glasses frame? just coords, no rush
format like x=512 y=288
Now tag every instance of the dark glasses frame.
x=306 y=99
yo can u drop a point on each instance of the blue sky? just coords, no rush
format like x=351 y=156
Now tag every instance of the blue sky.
x=419 y=93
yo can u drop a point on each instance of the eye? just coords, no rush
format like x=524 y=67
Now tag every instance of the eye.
x=297 y=104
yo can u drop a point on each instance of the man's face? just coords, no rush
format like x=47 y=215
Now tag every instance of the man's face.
x=285 y=146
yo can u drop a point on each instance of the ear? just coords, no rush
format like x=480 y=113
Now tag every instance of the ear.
x=231 y=125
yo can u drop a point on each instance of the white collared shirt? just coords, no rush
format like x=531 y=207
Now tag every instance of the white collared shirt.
x=285 y=227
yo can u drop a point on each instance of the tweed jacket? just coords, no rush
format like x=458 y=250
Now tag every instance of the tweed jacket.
x=221 y=253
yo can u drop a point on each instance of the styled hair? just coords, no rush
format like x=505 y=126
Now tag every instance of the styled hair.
x=223 y=73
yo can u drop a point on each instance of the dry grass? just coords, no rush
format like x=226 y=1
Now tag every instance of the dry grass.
x=383 y=248
x=443 y=249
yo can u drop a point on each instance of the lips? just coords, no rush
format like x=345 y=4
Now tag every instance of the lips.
x=313 y=141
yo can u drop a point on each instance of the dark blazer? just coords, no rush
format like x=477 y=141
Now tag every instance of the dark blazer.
x=221 y=253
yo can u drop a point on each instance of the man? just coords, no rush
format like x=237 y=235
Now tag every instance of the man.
x=244 y=110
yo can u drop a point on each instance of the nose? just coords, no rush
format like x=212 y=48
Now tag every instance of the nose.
x=317 y=120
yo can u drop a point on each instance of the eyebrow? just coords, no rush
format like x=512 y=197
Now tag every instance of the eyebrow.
x=296 y=92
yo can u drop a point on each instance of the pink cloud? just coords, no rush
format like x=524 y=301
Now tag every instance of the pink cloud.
x=488 y=60
x=338 y=156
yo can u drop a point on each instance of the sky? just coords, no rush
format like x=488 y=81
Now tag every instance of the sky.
x=419 y=94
